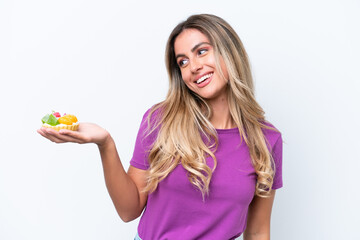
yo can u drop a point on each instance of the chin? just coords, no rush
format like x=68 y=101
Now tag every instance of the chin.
x=207 y=96
x=212 y=95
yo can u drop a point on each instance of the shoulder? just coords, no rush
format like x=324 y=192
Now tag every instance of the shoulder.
x=150 y=123
x=152 y=115
x=272 y=134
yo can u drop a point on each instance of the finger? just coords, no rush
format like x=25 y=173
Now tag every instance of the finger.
x=55 y=136
x=80 y=138
x=70 y=139
x=41 y=132
x=50 y=137
x=68 y=136
x=69 y=132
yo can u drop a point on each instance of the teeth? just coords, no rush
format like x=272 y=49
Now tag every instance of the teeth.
x=203 y=78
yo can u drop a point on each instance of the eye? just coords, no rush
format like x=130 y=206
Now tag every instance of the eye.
x=202 y=51
x=183 y=62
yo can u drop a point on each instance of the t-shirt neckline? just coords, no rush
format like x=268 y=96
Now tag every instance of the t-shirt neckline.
x=229 y=130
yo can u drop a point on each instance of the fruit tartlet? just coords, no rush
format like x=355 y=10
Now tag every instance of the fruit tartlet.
x=55 y=121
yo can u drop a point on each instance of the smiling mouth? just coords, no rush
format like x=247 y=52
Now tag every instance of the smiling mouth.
x=203 y=78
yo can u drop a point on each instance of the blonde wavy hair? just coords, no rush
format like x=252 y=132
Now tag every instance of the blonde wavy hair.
x=186 y=135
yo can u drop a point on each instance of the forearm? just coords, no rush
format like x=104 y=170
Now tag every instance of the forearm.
x=256 y=236
x=258 y=231
x=121 y=188
x=259 y=217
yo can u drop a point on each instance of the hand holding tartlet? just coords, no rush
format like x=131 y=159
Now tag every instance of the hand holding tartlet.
x=66 y=128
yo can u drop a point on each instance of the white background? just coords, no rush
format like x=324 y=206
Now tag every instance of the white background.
x=104 y=62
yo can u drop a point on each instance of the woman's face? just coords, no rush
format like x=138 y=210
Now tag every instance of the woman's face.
x=196 y=60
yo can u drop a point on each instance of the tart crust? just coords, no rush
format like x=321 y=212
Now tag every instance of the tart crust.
x=73 y=127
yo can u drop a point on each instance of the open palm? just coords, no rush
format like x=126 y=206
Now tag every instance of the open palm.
x=87 y=133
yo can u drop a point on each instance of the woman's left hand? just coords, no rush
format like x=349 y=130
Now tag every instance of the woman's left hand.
x=87 y=133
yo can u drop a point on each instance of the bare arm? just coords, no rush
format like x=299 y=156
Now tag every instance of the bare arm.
x=259 y=216
x=125 y=189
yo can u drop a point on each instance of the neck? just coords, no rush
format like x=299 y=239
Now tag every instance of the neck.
x=221 y=118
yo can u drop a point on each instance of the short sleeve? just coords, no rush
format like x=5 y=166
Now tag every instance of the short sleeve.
x=277 y=156
x=143 y=144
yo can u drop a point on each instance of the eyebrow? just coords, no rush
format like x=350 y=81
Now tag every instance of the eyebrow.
x=192 y=50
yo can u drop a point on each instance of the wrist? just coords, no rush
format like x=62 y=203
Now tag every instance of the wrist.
x=105 y=142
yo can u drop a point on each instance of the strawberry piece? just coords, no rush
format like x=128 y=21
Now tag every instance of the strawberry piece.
x=57 y=114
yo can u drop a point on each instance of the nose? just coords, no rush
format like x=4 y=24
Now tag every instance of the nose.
x=195 y=65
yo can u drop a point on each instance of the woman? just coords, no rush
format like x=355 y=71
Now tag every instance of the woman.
x=206 y=162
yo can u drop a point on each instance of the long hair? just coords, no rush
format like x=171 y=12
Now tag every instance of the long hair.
x=186 y=135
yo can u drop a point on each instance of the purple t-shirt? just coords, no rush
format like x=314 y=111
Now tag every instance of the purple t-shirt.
x=176 y=210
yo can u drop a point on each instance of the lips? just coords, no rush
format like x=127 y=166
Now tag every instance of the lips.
x=203 y=78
